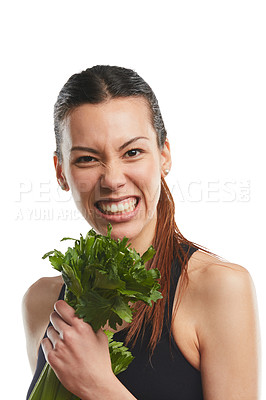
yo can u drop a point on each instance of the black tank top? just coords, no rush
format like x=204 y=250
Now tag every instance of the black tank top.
x=167 y=375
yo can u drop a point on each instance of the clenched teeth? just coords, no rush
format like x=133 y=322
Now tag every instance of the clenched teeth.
x=120 y=207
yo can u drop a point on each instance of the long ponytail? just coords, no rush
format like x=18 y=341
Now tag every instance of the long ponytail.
x=168 y=242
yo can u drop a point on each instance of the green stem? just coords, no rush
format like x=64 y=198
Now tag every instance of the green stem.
x=38 y=388
x=63 y=394
x=48 y=387
x=51 y=385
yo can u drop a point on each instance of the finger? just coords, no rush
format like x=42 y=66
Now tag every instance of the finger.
x=102 y=337
x=49 y=353
x=58 y=323
x=46 y=346
x=66 y=312
x=53 y=335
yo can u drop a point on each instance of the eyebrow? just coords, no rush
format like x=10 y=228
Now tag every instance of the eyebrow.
x=83 y=148
x=132 y=141
x=91 y=150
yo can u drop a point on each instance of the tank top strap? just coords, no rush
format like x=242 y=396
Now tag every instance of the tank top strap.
x=175 y=273
x=62 y=292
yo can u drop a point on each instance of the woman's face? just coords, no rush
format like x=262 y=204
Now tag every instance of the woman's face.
x=113 y=166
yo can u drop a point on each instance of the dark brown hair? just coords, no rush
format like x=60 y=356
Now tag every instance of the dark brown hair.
x=99 y=84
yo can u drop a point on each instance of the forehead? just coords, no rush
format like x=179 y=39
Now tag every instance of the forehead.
x=116 y=117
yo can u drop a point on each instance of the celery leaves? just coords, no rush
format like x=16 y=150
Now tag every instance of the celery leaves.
x=104 y=278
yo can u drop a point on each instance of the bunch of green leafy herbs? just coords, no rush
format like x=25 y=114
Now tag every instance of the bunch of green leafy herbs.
x=103 y=278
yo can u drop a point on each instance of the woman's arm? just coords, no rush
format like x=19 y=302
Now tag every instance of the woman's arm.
x=37 y=305
x=228 y=334
x=80 y=357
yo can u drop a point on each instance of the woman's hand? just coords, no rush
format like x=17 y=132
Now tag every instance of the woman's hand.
x=78 y=355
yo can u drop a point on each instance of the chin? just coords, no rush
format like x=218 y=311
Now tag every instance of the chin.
x=139 y=231
x=119 y=231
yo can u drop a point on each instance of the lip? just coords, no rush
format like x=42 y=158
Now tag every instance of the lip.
x=119 y=217
x=116 y=199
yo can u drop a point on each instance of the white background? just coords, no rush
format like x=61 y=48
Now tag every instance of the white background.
x=205 y=61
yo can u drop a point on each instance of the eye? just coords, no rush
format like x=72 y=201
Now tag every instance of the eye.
x=85 y=159
x=133 y=152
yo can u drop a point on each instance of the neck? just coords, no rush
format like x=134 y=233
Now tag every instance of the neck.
x=145 y=240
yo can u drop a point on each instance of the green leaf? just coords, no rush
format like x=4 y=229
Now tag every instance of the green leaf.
x=121 y=308
x=67 y=238
x=114 y=320
x=109 y=230
x=56 y=262
x=48 y=254
x=94 y=309
x=119 y=354
x=81 y=243
x=155 y=295
x=88 y=245
x=71 y=280
x=148 y=255
x=107 y=280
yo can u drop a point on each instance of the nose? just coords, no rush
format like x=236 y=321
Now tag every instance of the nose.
x=113 y=177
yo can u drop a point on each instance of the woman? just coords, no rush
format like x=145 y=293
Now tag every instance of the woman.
x=201 y=340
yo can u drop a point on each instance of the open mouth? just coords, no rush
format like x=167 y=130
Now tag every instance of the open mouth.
x=117 y=207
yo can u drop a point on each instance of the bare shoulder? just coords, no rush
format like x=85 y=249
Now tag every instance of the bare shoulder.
x=225 y=301
x=225 y=317
x=212 y=277
x=37 y=305
x=218 y=302
x=41 y=294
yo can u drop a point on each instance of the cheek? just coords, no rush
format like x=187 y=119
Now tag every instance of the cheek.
x=148 y=178
x=82 y=184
